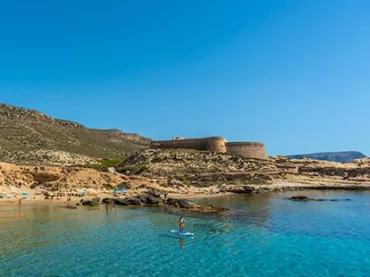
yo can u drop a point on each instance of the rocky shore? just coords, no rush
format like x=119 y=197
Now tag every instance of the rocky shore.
x=183 y=205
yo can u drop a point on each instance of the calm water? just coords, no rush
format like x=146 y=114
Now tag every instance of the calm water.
x=263 y=235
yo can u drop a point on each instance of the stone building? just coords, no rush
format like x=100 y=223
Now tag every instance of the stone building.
x=254 y=150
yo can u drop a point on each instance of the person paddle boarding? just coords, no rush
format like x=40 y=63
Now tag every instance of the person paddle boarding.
x=181 y=224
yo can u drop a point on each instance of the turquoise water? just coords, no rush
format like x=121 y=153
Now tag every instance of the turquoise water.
x=263 y=235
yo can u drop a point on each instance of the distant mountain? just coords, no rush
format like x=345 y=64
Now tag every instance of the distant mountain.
x=343 y=157
x=24 y=131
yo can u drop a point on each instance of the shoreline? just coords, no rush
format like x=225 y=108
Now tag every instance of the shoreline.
x=293 y=186
x=227 y=190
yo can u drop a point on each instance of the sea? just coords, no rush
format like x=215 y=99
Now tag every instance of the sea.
x=261 y=235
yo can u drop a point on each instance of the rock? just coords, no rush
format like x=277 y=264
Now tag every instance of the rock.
x=97 y=199
x=89 y=203
x=117 y=201
x=303 y=198
x=299 y=198
x=148 y=199
x=180 y=203
x=133 y=201
x=207 y=209
x=191 y=207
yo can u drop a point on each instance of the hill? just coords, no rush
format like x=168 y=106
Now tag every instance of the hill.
x=24 y=133
x=343 y=157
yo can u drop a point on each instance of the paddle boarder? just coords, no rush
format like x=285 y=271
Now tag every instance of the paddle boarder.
x=181 y=224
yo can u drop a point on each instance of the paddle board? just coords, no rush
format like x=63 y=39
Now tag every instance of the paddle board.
x=182 y=233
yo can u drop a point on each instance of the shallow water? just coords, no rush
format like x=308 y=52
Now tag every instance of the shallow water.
x=262 y=235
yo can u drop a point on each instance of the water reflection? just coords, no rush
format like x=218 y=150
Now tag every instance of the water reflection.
x=182 y=242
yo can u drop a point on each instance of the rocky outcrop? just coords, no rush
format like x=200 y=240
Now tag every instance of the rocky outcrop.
x=89 y=203
x=62 y=178
x=191 y=207
x=180 y=203
x=302 y=198
x=138 y=200
x=148 y=199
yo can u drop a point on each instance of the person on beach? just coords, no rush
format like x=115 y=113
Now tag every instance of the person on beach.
x=181 y=224
x=20 y=201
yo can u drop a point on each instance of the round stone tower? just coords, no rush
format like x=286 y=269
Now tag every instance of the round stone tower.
x=216 y=144
x=255 y=150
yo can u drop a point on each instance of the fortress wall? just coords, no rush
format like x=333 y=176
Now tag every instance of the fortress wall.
x=254 y=150
x=213 y=144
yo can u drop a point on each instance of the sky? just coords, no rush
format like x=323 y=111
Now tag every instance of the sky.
x=292 y=74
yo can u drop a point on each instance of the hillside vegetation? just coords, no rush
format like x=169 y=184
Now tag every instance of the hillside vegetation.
x=25 y=132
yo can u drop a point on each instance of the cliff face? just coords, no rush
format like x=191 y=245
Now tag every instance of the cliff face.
x=54 y=179
x=24 y=132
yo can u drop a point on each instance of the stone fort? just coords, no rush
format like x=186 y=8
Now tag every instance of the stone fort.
x=255 y=150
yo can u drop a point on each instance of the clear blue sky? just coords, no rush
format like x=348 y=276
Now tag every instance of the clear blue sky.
x=293 y=74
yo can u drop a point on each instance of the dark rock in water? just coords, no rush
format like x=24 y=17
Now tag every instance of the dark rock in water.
x=191 y=207
x=303 y=198
x=120 y=201
x=117 y=201
x=89 y=203
x=97 y=199
x=71 y=207
x=150 y=200
x=299 y=198
x=110 y=200
x=132 y=201
x=78 y=204
x=180 y=203
x=206 y=209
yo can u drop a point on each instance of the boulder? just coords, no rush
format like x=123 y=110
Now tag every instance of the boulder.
x=148 y=199
x=303 y=198
x=97 y=199
x=180 y=203
x=207 y=209
x=116 y=200
x=132 y=201
x=89 y=203
x=299 y=198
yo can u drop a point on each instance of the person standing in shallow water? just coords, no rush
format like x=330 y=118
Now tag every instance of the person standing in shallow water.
x=181 y=224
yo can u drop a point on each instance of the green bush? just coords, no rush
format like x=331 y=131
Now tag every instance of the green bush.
x=141 y=170
x=108 y=186
x=158 y=160
x=132 y=170
x=125 y=185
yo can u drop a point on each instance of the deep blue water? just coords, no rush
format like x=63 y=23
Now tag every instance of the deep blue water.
x=262 y=235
